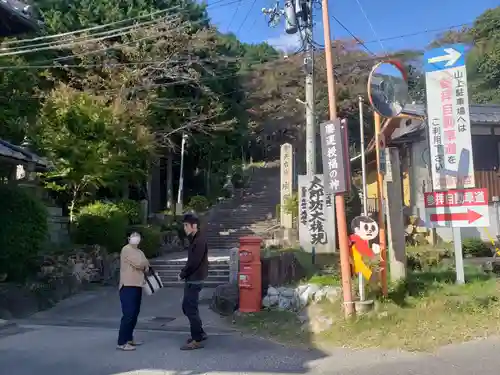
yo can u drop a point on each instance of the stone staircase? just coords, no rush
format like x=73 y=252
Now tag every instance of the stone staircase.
x=168 y=269
x=249 y=213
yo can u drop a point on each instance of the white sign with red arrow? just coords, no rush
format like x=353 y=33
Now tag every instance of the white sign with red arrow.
x=457 y=208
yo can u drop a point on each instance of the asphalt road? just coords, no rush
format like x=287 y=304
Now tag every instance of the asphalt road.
x=78 y=337
x=50 y=350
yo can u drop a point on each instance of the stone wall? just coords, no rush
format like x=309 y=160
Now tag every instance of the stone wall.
x=59 y=276
x=280 y=270
x=58 y=225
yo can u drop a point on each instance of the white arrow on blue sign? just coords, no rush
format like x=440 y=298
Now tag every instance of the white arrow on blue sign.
x=444 y=58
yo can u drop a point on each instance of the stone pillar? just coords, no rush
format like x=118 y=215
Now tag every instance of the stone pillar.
x=286 y=184
x=234 y=264
x=395 y=219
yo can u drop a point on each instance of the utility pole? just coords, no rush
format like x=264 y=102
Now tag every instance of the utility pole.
x=345 y=267
x=380 y=207
x=310 y=98
x=298 y=16
x=361 y=282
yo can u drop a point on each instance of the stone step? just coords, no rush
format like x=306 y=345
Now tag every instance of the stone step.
x=210 y=278
x=174 y=272
x=180 y=284
x=177 y=267
x=215 y=264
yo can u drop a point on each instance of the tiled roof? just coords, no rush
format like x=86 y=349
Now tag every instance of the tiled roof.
x=479 y=113
x=18 y=153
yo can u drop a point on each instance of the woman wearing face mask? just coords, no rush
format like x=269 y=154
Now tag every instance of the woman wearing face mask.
x=133 y=264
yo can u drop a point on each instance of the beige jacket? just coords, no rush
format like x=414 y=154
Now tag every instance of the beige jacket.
x=133 y=263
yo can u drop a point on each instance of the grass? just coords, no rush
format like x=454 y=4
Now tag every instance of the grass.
x=427 y=311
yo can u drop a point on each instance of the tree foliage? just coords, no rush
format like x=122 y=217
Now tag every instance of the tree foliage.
x=106 y=104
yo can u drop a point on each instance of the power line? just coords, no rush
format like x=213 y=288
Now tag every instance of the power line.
x=449 y=28
x=354 y=36
x=246 y=16
x=81 y=39
x=234 y=14
x=71 y=44
x=269 y=64
x=17 y=41
x=370 y=24
x=53 y=44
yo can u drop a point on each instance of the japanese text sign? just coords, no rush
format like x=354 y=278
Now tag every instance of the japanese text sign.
x=448 y=118
x=457 y=208
x=286 y=182
x=334 y=158
x=316 y=215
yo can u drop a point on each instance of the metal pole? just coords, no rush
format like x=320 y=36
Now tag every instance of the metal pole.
x=181 y=172
x=380 y=209
x=345 y=266
x=361 y=280
x=459 y=257
x=363 y=158
x=310 y=107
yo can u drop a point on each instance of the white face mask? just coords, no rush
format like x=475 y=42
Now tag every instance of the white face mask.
x=134 y=240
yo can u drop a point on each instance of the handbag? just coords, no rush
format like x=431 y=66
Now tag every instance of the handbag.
x=152 y=282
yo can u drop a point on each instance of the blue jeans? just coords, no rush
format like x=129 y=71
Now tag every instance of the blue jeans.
x=190 y=309
x=130 y=298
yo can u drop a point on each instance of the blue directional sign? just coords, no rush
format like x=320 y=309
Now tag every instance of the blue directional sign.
x=443 y=58
x=448 y=118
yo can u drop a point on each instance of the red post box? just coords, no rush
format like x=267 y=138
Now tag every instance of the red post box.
x=250 y=276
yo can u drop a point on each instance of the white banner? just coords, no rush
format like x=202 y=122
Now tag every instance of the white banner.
x=316 y=215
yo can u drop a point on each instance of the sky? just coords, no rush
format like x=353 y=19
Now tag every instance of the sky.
x=389 y=19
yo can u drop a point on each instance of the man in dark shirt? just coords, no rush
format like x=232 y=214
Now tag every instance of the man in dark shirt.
x=193 y=273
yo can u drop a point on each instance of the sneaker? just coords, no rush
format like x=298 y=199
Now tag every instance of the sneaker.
x=135 y=343
x=126 y=348
x=204 y=336
x=193 y=345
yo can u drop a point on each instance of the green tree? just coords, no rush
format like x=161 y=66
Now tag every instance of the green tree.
x=87 y=144
x=484 y=59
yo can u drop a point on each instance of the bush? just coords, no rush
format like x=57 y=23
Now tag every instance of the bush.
x=425 y=259
x=474 y=247
x=102 y=224
x=292 y=205
x=151 y=239
x=132 y=209
x=198 y=203
x=23 y=231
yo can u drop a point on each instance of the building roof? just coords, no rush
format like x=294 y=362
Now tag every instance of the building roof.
x=17 y=17
x=20 y=154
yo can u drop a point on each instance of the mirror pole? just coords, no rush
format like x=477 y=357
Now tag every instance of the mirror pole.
x=380 y=209
x=345 y=253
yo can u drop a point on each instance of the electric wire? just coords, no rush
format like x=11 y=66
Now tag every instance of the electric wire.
x=69 y=45
x=371 y=25
x=354 y=36
x=103 y=35
x=109 y=35
x=87 y=37
x=98 y=27
x=246 y=16
x=234 y=14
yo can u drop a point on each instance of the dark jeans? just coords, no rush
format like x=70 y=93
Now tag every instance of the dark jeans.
x=190 y=309
x=130 y=298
